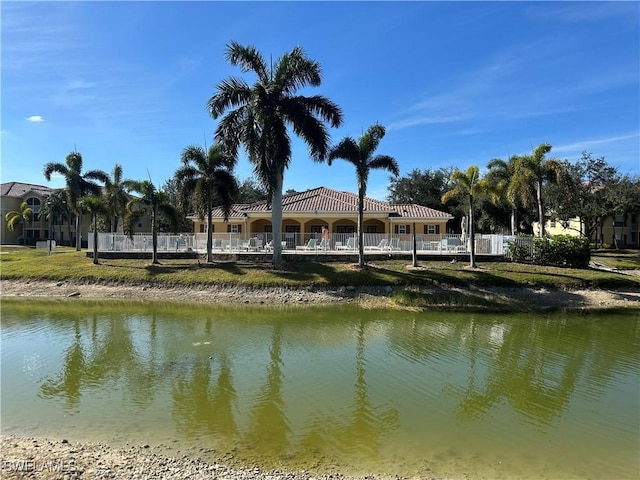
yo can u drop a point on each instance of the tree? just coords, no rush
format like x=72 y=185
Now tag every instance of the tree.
x=171 y=189
x=77 y=184
x=14 y=218
x=250 y=191
x=467 y=185
x=420 y=187
x=360 y=154
x=208 y=176
x=499 y=178
x=154 y=203
x=533 y=170
x=55 y=208
x=95 y=206
x=116 y=196
x=259 y=117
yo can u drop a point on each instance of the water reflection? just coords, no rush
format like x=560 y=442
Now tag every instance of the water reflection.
x=339 y=385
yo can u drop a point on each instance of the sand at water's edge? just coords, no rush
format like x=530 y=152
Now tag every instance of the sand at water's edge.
x=527 y=297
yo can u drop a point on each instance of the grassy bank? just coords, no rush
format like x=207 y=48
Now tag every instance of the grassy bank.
x=20 y=263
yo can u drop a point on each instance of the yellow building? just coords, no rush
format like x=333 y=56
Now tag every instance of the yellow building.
x=37 y=229
x=12 y=194
x=620 y=230
x=306 y=213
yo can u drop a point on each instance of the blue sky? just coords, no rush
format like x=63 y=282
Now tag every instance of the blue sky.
x=455 y=83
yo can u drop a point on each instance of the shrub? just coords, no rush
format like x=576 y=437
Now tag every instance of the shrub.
x=518 y=253
x=562 y=250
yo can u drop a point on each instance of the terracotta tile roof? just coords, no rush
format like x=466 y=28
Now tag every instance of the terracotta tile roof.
x=17 y=189
x=411 y=210
x=327 y=200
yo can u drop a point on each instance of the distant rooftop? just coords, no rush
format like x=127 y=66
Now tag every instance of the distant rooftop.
x=19 y=190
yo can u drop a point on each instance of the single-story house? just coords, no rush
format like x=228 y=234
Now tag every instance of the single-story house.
x=306 y=213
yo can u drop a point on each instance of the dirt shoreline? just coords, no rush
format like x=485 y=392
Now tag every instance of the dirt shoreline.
x=510 y=298
x=58 y=459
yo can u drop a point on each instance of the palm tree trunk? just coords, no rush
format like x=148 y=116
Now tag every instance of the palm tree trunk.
x=360 y=227
x=69 y=228
x=540 y=207
x=209 y=234
x=472 y=235
x=154 y=235
x=78 y=235
x=514 y=228
x=95 y=239
x=276 y=221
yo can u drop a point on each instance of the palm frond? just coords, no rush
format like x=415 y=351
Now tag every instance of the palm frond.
x=347 y=149
x=247 y=58
x=385 y=162
x=370 y=140
x=52 y=167
x=295 y=70
x=230 y=93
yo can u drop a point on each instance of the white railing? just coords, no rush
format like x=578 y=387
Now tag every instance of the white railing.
x=293 y=242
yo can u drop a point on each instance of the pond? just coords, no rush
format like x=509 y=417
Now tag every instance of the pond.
x=332 y=389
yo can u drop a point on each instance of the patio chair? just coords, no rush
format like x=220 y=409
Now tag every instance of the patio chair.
x=323 y=245
x=394 y=244
x=383 y=245
x=311 y=245
x=351 y=244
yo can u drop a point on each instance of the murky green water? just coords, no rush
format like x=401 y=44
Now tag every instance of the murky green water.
x=333 y=388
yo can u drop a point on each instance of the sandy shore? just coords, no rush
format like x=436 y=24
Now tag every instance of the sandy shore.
x=517 y=298
x=50 y=459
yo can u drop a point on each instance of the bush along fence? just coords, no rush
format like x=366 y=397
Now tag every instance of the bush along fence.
x=559 y=250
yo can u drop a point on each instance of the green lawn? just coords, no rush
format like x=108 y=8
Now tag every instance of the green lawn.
x=67 y=264
x=620 y=259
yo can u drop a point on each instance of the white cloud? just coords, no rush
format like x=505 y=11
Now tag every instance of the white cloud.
x=35 y=118
x=597 y=142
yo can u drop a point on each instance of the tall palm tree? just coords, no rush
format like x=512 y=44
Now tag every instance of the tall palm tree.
x=209 y=177
x=499 y=178
x=467 y=185
x=360 y=154
x=77 y=184
x=153 y=202
x=14 y=218
x=259 y=116
x=95 y=206
x=530 y=171
x=116 y=197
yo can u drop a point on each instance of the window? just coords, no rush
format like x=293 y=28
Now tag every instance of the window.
x=234 y=228
x=431 y=229
x=202 y=228
x=268 y=229
x=316 y=228
x=371 y=229
x=345 y=229
x=553 y=224
x=402 y=229
x=34 y=204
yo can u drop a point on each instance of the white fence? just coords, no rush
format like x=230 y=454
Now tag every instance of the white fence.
x=293 y=242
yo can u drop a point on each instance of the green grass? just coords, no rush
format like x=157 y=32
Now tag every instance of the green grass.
x=620 y=259
x=68 y=265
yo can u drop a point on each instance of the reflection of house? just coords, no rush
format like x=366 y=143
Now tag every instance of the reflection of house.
x=621 y=230
x=307 y=212
x=35 y=196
